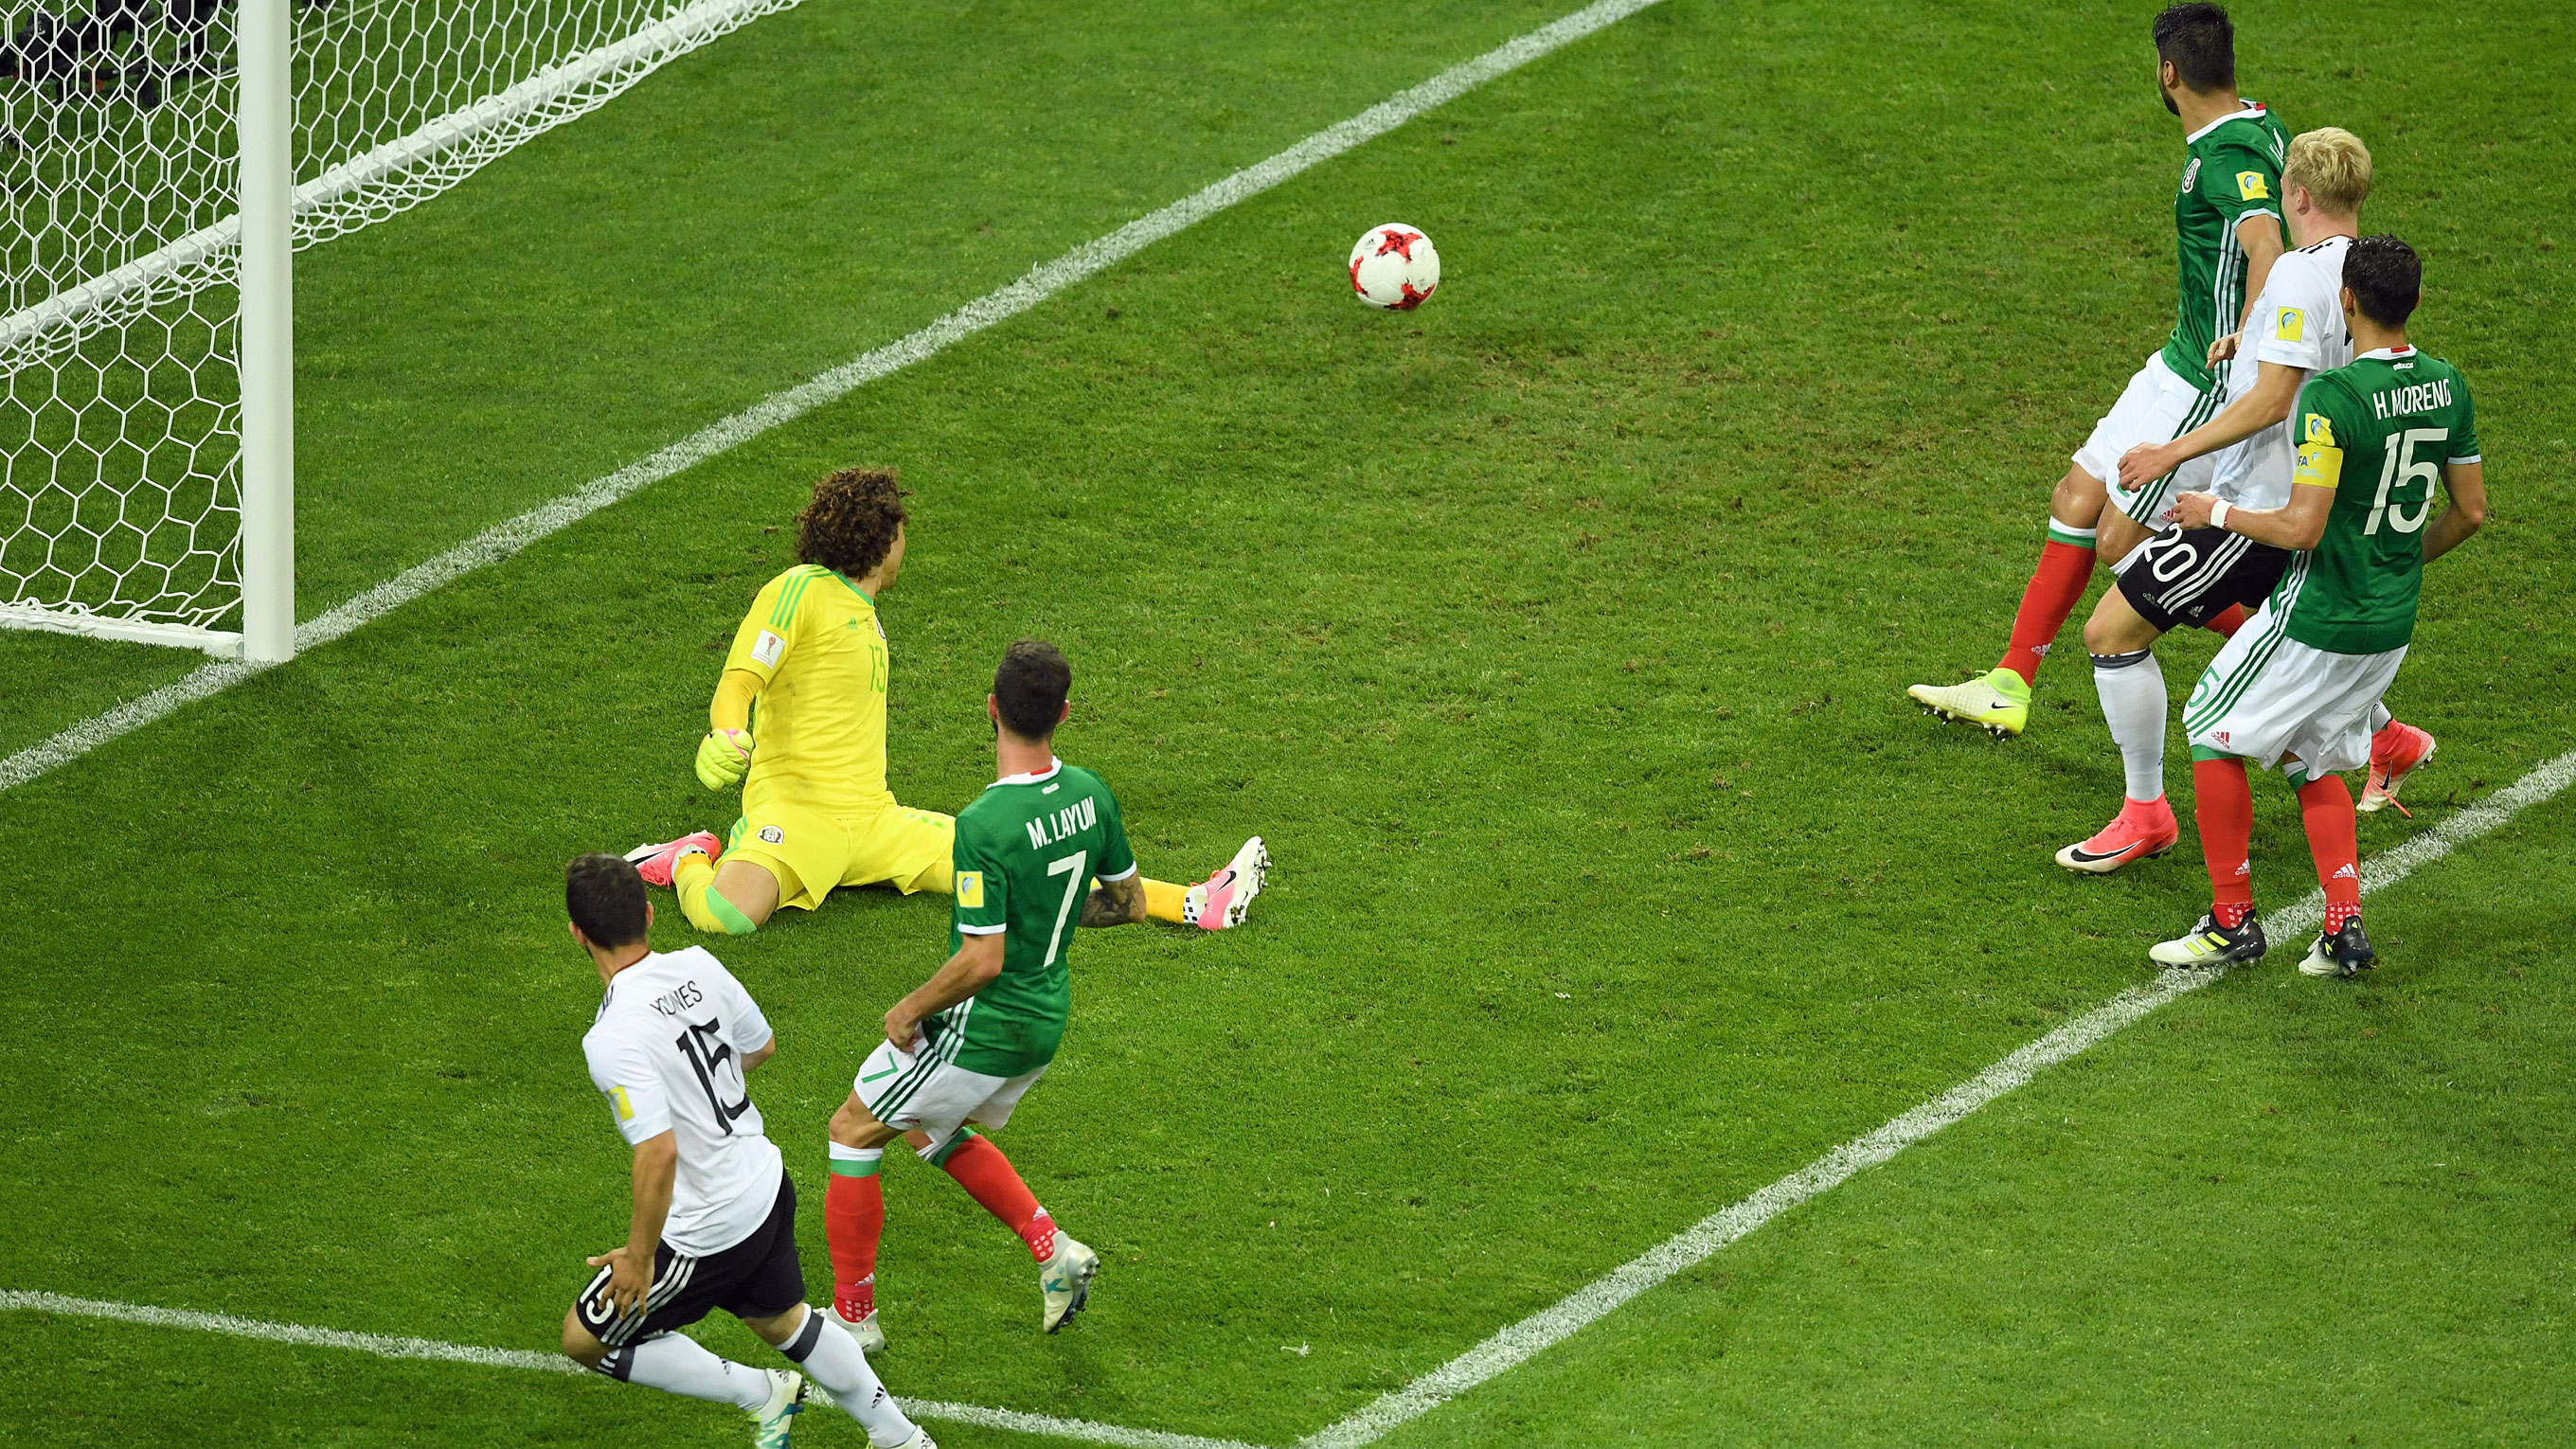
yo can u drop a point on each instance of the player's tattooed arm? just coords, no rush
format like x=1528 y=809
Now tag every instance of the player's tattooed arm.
x=1115 y=903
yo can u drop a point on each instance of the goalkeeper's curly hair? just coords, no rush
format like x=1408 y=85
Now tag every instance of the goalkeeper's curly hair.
x=852 y=521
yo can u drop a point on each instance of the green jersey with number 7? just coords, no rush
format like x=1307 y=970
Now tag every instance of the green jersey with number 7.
x=2378 y=431
x=1027 y=851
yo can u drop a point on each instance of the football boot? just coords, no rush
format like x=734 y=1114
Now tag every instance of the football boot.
x=1997 y=702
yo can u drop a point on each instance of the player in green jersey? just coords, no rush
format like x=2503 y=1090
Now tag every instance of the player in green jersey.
x=966 y=1044
x=2227 y=234
x=2297 y=686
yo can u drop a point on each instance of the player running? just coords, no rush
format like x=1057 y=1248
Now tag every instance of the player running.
x=967 y=1044
x=2227 y=229
x=2297 y=685
x=808 y=672
x=2186 y=576
x=715 y=1216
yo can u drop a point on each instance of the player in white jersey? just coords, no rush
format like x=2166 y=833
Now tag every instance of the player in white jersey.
x=2295 y=328
x=714 y=1223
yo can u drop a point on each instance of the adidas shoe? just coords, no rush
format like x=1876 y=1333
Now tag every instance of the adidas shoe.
x=2143 y=830
x=1222 y=899
x=2211 y=944
x=2345 y=953
x=771 y=1421
x=1066 y=1278
x=1998 y=702
x=854 y=1307
x=655 y=862
x=2408 y=748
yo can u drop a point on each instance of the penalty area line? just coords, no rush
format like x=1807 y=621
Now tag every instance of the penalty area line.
x=1519 y=1342
x=390 y=1346
x=504 y=540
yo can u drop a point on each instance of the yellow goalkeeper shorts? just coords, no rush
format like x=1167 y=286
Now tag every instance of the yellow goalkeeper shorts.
x=809 y=852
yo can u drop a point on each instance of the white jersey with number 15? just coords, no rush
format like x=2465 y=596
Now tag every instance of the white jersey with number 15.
x=666 y=1050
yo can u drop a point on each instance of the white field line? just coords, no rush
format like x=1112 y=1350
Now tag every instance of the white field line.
x=1517 y=1343
x=387 y=1346
x=503 y=540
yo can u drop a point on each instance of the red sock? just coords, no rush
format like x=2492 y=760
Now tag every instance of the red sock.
x=2334 y=840
x=853 y=1221
x=2054 y=589
x=2224 y=806
x=2225 y=625
x=989 y=1178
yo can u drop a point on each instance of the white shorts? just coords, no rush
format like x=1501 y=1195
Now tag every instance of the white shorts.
x=2156 y=407
x=930 y=1093
x=2268 y=697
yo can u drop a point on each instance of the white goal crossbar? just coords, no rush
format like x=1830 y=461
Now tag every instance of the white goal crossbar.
x=626 y=61
x=249 y=249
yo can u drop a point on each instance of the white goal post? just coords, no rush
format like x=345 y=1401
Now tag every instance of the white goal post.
x=162 y=162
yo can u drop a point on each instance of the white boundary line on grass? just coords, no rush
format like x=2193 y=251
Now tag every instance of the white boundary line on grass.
x=387 y=1346
x=1518 y=1343
x=503 y=540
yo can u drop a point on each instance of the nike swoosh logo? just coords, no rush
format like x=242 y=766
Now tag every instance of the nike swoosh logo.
x=2080 y=853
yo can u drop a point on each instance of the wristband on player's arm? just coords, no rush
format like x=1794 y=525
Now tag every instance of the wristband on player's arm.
x=2218 y=512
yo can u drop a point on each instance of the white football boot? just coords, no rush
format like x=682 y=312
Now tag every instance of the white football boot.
x=1066 y=1279
x=1222 y=899
x=771 y=1421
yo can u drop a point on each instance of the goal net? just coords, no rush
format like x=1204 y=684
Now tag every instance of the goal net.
x=121 y=227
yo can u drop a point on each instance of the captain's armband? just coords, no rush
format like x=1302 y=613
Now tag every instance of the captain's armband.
x=2320 y=466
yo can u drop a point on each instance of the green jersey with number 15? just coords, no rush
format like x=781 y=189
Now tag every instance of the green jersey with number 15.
x=2233 y=171
x=2378 y=431
x=1027 y=851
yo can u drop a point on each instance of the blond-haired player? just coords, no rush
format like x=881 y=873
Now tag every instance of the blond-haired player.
x=2186 y=576
x=799 y=719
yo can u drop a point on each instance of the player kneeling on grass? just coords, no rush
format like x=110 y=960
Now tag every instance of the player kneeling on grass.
x=715 y=1216
x=811 y=663
x=2298 y=684
x=966 y=1044
x=2189 y=576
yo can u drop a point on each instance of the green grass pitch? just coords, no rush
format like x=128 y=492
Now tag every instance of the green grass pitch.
x=1555 y=635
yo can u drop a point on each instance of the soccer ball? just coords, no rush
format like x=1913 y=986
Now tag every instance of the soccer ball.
x=1394 y=267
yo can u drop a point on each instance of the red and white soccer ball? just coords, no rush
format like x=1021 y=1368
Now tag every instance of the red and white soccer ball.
x=1394 y=267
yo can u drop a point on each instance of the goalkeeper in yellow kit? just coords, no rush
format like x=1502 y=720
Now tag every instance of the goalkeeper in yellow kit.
x=799 y=718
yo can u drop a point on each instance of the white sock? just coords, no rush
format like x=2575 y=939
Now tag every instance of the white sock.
x=831 y=1357
x=2133 y=702
x=678 y=1364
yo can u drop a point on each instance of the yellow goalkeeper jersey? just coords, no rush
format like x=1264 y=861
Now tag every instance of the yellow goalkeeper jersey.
x=819 y=723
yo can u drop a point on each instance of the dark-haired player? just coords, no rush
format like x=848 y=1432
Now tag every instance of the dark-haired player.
x=2186 y=576
x=2227 y=233
x=2297 y=686
x=714 y=1223
x=966 y=1044
x=799 y=719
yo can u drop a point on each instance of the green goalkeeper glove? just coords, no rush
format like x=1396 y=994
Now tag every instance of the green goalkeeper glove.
x=722 y=757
